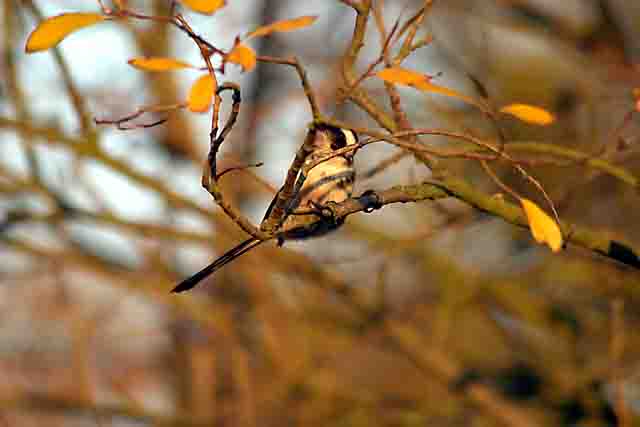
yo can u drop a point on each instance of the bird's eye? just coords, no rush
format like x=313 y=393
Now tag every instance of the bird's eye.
x=339 y=141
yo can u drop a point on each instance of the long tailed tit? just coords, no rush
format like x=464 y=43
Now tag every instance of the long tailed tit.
x=329 y=181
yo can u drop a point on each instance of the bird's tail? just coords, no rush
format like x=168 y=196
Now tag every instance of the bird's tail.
x=223 y=260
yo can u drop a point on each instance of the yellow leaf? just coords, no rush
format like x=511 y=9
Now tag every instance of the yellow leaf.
x=244 y=56
x=529 y=114
x=52 y=30
x=204 y=6
x=158 y=64
x=283 y=26
x=402 y=76
x=421 y=82
x=543 y=228
x=201 y=94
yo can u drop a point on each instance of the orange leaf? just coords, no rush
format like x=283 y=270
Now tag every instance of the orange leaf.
x=636 y=95
x=53 y=30
x=529 y=113
x=201 y=94
x=402 y=76
x=283 y=26
x=421 y=82
x=158 y=64
x=244 y=56
x=204 y=6
x=543 y=228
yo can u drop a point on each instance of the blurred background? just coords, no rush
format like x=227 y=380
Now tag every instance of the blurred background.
x=419 y=314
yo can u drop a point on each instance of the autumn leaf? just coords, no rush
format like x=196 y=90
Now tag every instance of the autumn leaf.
x=283 y=26
x=543 y=228
x=204 y=6
x=402 y=76
x=244 y=56
x=201 y=94
x=422 y=82
x=529 y=114
x=158 y=64
x=53 y=30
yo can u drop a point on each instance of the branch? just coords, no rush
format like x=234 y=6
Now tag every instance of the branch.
x=287 y=192
x=595 y=241
x=577 y=157
x=210 y=172
x=52 y=136
x=362 y=9
x=43 y=402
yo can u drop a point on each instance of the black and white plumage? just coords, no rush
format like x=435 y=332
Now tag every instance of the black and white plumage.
x=329 y=181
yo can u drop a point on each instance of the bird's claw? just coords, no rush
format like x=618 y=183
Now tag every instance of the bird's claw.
x=370 y=200
x=325 y=210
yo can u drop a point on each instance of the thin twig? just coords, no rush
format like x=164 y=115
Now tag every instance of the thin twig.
x=287 y=192
x=383 y=165
x=238 y=168
x=120 y=122
x=302 y=74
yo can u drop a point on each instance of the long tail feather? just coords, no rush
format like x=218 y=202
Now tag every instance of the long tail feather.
x=223 y=260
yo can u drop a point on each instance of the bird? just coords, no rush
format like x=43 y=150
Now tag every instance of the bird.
x=329 y=181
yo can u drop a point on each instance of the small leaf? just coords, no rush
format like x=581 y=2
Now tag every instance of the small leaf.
x=402 y=76
x=422 y=82
x=244 y=56
x=543 y=228
x=158 y=64
x=283 y=26
x=53 y=30
x=201 y=94
x=529 y=114
x=204 y=6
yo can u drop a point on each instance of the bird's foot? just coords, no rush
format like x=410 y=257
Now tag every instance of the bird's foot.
x=370 y=200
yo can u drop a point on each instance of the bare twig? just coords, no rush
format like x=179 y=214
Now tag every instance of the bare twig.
x=238 y=168
x=120 y=122
x=302 y=74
